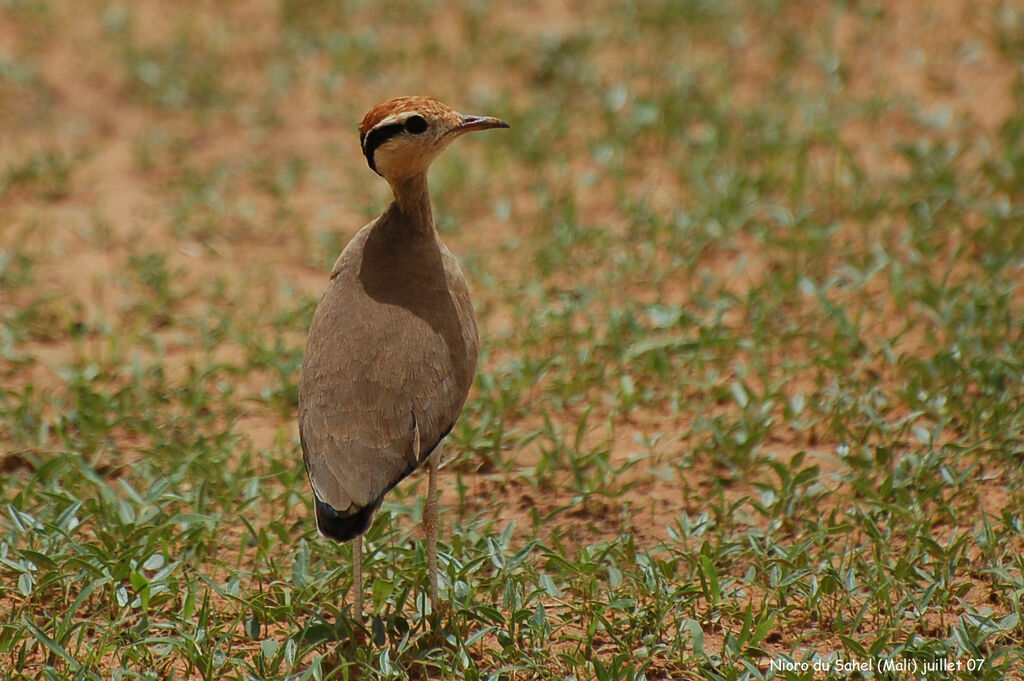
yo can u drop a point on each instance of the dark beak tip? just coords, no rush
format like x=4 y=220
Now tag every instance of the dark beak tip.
x=482 y=123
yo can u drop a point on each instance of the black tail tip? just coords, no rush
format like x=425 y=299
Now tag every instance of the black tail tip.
x=341 y=528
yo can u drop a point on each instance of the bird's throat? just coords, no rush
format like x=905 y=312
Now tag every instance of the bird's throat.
x=413 y=200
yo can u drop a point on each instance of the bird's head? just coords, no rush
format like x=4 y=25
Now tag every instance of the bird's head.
x=402 y=136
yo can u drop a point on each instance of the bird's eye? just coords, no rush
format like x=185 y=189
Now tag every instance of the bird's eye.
x=415 y=125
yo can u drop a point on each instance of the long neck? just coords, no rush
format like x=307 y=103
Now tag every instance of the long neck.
x=413 y=200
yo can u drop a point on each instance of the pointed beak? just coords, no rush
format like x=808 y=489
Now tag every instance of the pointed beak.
x=471 y=123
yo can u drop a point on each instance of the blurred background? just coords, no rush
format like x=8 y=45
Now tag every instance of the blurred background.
x=749 y=280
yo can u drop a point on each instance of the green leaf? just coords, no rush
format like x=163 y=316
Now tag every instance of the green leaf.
x=50 y=644
x=269 y=647
x=549 y=586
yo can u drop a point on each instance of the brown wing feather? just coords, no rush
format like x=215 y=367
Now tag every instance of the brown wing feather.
x=394 y=336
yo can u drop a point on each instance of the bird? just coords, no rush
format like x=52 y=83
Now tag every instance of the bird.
x=393 y=343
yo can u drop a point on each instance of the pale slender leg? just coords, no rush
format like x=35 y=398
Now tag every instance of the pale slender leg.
x=357 y=585
x=430 y=524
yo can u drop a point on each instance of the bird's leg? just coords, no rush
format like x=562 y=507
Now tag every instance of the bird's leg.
x=430 y=524
x=357 y=586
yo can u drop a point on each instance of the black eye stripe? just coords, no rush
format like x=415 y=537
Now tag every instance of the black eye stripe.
x=377 y=137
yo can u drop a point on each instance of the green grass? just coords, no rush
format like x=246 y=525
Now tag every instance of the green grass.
x=752 y=364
